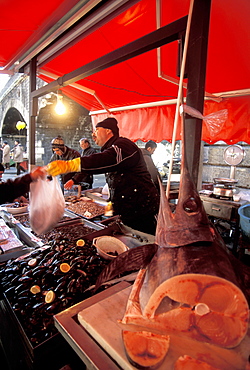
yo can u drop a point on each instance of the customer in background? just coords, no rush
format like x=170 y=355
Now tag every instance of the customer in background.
x=84 y=179
x=18 y=156
x=147 y=152
x=12 y=189
x=63 y=152
x=6 y=155
x=132 y=193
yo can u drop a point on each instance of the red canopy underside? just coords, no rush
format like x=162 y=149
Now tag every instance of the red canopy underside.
x=137 y=80
x=156 y=123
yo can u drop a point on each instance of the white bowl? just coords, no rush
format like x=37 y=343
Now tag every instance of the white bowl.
x=17 y=210
x=108 y=244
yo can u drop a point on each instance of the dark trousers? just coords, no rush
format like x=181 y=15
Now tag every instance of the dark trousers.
x=19 y=168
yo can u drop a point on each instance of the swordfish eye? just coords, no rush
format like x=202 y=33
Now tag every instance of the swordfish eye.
x=190 y=205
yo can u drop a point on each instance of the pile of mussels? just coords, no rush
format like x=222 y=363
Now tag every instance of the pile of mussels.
x=48 y=281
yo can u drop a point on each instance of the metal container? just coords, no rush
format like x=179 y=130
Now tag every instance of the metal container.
x=32 y=240
x=224 y=187
x=223 y=192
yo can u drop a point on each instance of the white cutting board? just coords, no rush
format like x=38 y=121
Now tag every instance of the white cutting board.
x=101 y=322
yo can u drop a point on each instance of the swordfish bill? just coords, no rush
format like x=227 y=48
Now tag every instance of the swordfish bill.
x=189 y=222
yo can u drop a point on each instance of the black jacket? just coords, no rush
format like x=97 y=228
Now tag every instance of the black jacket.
x=155 y=176
x=66 y=156
x=132 y=192
x=85 y=177
x=12 y=189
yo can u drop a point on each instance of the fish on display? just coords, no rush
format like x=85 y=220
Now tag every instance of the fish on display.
x=189 y=288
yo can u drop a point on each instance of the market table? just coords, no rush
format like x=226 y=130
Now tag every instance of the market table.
x=226 y=210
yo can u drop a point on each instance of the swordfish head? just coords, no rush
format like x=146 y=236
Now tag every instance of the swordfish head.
x=189 y=223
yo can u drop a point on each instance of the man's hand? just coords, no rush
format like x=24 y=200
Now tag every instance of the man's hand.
x=68 y=185
x=58 y=167
x=38 y=172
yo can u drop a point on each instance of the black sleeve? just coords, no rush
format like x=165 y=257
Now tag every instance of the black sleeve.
x=12 y=189
x=122 y=155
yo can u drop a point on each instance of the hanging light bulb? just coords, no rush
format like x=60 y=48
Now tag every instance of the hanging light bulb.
x=60 y=107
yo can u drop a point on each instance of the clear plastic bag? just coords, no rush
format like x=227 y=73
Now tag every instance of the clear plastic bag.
x=213 y=121
x=47 y=205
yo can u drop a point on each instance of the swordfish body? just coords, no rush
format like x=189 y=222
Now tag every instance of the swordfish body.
x=189 y=288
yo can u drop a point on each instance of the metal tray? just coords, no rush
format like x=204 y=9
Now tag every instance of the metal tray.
x=16 y=219
x=225 y=181
x=34 y=240
x=87 y=215
x=53 y=353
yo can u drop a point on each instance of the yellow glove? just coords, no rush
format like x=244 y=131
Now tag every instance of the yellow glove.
x=58 y=167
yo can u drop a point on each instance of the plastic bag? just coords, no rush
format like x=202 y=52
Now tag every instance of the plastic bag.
x=47 y=205
x=213 y=121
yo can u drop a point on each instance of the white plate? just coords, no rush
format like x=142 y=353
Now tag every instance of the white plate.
x=17 y=210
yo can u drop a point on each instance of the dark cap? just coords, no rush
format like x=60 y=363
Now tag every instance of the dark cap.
x=57 y=143
x=110 y=123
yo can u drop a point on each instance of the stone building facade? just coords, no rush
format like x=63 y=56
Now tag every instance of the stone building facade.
x=14 y=106
x=214 y=165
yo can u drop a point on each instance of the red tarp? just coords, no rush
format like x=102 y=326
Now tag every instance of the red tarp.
x=23 y=23
x=156 y=123
x=136 y=81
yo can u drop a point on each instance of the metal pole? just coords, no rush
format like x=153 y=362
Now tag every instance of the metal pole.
x=196 y=62
x=33 y=114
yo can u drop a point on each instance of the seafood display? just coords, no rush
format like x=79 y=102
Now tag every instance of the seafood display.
x=87 y=209
x=67 y=232
x=17 y=205
x=49 y=280
x=25 y=219
x=9 y=241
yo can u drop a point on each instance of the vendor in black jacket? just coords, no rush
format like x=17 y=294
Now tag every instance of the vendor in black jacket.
x=132 y=193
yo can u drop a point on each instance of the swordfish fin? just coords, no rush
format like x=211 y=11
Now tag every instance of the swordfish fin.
x=132 y=260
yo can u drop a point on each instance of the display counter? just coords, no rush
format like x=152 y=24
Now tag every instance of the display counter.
x=27 y=332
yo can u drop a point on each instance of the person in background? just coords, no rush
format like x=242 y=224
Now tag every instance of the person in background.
x=6 y=155
x=63 y=152
x=132 y=193
x=147 y=152
x=18 y=157
x=12 y=189
x=86 y=179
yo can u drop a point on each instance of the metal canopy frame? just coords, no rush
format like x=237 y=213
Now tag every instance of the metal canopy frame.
x=142 y=45
x=197 y=54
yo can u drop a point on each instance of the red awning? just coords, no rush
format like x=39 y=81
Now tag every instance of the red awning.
x=137 y=80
